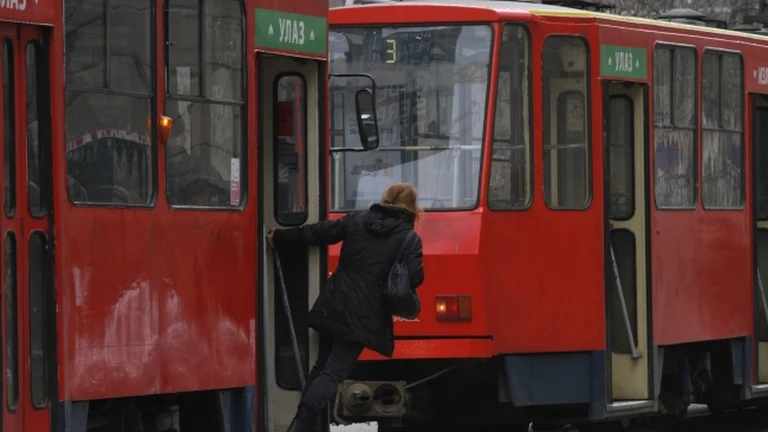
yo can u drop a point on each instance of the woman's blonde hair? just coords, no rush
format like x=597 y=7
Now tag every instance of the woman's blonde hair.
x=402 y=196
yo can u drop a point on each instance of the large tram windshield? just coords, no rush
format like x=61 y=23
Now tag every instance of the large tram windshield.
x=431 y=91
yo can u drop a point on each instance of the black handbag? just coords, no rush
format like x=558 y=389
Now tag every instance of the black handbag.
x=402 y=301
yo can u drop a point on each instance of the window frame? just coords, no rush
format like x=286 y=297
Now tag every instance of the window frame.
x=721 y=54
x=672 y=47
x=527 y=146
x=204 y=99
x=106 y=89
x=588 y=132
x=304 y=163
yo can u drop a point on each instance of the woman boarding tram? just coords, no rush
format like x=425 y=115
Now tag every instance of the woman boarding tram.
x=350 y=313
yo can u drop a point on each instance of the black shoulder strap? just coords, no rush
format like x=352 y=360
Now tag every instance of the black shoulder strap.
x=406 y=241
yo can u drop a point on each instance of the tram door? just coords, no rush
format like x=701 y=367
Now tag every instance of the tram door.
x=760 y=152
x=291 y=124
x=28 y=311
x=627 y=257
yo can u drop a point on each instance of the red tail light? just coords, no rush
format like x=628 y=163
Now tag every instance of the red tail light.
x=453 y=308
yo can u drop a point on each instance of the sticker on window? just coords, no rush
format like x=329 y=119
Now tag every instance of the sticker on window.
x=234 y=182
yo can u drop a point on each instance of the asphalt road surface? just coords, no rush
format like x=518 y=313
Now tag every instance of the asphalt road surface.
x=752 y=420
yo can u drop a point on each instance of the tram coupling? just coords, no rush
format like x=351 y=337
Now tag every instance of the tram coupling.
x=370 y=400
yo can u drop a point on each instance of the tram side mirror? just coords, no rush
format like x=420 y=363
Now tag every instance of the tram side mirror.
x=367 y=126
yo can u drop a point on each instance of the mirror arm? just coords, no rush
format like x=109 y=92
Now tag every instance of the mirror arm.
x=348 y=149
x=359 y=75
x=363 y=75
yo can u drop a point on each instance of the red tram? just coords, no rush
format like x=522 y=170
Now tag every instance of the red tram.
x=597 y=211
x=147 y=144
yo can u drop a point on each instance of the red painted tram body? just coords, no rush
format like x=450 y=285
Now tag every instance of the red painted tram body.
x=147 y=145
x=595 y=209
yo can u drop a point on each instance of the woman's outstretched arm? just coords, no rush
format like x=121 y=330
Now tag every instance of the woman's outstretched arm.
x=319 y=234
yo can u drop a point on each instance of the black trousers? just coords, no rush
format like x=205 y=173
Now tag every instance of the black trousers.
x=335 y=362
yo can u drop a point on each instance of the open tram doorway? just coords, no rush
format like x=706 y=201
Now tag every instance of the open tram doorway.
x=759 y=106
x=292 y=192
x=627 y=285
x=291 y=125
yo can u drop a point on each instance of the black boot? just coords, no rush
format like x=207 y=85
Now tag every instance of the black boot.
x=303 y=422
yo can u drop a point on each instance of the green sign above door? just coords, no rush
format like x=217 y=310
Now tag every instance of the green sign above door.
x=625 y=62
x=285 y=31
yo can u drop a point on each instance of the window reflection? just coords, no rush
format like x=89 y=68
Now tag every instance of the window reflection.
x=108 y=100
x=674 y=100
x=509 y=186
x=9 y=128
x=184 y=53
x=35 y=99
x=38 y=319
x=621 y=147
x=290 y=156
x=431 y=91
x=11 y=324
x=130 y=50
x=205 y=156
x=721 y=138
x=567 y=182
x=205 y=143
x=108 y=149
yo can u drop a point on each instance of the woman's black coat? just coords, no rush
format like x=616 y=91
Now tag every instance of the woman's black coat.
x=351 y=307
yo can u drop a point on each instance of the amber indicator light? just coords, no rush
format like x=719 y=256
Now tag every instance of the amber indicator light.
x=164 y=126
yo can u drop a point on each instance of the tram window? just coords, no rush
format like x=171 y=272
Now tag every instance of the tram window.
x=9 y=127
x=723 y=130
x=184 y=55
x=38 y=294
x=337 y=123
x=206 y=152
x=760 y=143
x=203 y=154
x=621 y=147
x=111 y=165
x=567 y=183
x=131 y=58
x=290 y=157
x=109 y=99
x=511 y=176
x=674 y=105
x=36 y=93
x=761 y=266
x=11 y=324
x=430 y=103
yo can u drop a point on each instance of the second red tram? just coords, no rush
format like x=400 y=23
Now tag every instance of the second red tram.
x=595 y=196
x=147 y=145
